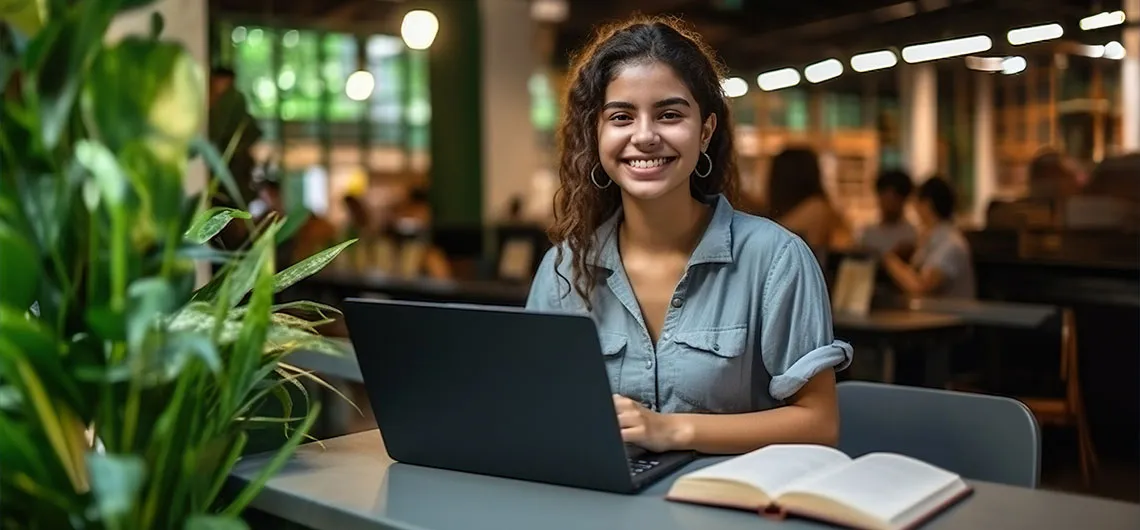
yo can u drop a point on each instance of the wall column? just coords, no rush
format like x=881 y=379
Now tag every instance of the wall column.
x=985 y=157
x=919 y=105
x=455 y=73
x=510 y=145
x=1130 y=78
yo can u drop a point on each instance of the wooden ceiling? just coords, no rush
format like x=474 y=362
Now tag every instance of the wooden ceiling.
x=750 y=35
x=753 y=35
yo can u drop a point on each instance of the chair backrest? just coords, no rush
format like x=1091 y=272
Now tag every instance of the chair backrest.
x=977 y=436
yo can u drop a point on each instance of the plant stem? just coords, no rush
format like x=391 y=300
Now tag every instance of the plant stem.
x=118 y=276
x=130 y=415
x=168 y=253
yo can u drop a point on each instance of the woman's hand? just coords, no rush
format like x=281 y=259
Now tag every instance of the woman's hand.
x=650 y=430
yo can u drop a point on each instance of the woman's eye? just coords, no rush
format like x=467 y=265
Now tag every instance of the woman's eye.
x=671 y=115
x=619 y=117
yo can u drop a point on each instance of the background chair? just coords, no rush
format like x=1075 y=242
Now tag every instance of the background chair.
x=980 y=437
x=1068 y=410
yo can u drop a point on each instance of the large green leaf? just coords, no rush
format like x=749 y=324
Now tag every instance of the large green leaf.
x=34 y=340
x=215 y=522
x=110 y=179
x=48 y=199
x=60 y=425
x=115 y=482
x=26 y=16
x=151 y=299
x=179 y=349
x=209 y=223
x=8 y=59
x=35 y=344
x=145 y=89
x=21 y=270
x=56 y=81
x=308 y=266
x=143 y=99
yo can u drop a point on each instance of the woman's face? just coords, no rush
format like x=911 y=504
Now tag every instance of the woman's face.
x=650 y=133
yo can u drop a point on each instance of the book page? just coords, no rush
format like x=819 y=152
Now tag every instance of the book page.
x=886 y=486
x=774 y=467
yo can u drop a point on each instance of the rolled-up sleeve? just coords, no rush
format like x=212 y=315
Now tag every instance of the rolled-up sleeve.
x=543 y=295
x=797 y=341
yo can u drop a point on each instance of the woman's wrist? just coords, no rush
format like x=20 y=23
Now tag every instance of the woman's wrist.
x=680 y=430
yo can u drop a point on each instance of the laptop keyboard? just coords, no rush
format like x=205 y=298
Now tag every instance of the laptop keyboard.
x=638 y=466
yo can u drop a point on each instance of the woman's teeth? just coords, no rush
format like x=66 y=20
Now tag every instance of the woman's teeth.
x=646 y=164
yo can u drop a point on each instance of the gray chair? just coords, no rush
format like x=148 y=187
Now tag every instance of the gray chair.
x=977 y=436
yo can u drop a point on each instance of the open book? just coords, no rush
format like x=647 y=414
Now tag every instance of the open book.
x=877 y=491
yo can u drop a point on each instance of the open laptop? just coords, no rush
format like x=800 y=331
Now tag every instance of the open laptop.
x=497 y=391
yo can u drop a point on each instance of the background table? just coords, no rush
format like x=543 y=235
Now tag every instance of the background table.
x=352 y=484
x=915 y=331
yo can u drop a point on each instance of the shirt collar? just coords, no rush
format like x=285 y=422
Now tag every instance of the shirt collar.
x=715 y=245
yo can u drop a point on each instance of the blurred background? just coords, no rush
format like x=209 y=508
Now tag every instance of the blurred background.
x=427 y=130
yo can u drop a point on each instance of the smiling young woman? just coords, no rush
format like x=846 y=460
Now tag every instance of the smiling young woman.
x=715 y=325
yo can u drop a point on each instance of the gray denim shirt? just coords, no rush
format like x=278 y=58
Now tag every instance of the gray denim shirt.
x=751 y=291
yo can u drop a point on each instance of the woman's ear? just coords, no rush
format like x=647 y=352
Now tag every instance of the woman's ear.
x=707 y=131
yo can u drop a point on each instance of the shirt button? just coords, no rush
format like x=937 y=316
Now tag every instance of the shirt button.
x=716 y=347
x=677 y=302
x=665 y=335
x=649 y=363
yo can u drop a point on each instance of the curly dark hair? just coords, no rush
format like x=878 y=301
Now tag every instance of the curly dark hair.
x=579 y=206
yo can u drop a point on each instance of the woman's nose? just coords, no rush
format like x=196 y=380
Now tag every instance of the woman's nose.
x=645 y=135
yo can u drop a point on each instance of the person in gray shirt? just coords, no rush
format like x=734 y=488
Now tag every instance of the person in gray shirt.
x=942 y=265
x=893 y=231
x=715 y=325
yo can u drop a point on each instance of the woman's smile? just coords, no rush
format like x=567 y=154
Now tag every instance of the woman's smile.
x=648 y=167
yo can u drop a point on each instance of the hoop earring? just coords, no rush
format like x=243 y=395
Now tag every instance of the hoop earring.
x=707 y=172
x=594 y=179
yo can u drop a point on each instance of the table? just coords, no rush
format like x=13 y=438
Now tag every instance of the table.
x=365 y=284
x=888 y=330
x=352 y=484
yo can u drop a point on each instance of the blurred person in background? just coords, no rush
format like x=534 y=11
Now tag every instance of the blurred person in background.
x=797 y=200
x=1052 y=178
x=1111 y=199
x=229 y=118
x=361 y=225
x=407 y=249
x=893 y=231
x=942 y=265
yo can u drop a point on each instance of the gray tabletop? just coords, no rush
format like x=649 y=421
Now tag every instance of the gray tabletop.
x=351 y=484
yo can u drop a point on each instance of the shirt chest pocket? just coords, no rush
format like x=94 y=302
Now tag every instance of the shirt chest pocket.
x=613 y=351
x=709 y=369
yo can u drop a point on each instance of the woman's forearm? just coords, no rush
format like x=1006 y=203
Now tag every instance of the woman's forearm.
x=904 y=276
x=811 y=416
x=740 y=433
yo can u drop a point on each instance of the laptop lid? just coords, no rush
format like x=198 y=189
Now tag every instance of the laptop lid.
x=490 y=390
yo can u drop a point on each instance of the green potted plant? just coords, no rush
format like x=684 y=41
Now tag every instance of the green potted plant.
x=128 y=389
